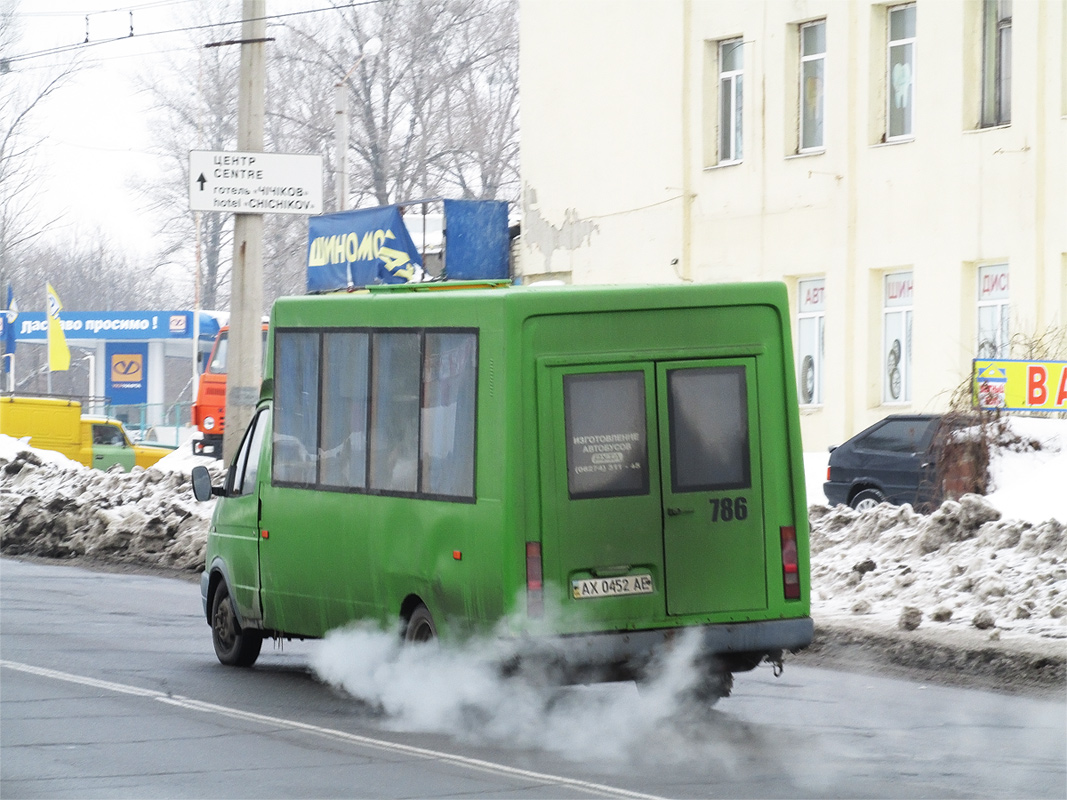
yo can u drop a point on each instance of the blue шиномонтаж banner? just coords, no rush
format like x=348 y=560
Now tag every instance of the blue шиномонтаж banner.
x=359 y=248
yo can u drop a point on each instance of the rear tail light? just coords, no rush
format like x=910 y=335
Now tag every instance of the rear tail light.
x=827 y=473
x=535 y=596
x=790 y=565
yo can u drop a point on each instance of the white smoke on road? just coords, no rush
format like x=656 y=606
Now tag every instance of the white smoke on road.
x=460 y=690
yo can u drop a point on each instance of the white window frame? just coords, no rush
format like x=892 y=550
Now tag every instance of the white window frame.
x=996 y=63
x=895 y=83
x=731 y=103
x=811 y=327
x=819 y=60
x=897 y=312
x=994 y=341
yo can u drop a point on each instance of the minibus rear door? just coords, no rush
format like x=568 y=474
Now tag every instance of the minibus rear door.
x=601 y=504
x=713 y=532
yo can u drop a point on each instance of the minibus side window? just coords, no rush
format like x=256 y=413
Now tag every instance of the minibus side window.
x=607 y=447
x=709 y=429
x=343 y=446
x=296 y=381
x=255 y=445
x=246 y=462
x=449 y=384
x=394 y=442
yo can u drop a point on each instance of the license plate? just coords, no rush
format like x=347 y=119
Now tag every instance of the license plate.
x=612 y=587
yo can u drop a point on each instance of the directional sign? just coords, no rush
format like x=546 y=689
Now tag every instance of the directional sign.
x=255 y=183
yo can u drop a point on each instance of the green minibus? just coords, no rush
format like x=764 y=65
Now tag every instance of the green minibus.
x=595 y=469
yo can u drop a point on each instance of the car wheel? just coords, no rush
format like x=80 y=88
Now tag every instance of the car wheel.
x=235 y=646
x=420 y=627
x=867 y=499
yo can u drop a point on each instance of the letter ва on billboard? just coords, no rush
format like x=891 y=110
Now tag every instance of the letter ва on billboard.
x=1020 y=385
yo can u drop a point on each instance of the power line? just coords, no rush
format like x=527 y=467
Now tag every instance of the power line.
x=98 y=60
x=269 y=18
x=141 y=7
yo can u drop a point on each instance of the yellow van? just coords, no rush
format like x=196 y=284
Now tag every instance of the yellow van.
x=57 y=424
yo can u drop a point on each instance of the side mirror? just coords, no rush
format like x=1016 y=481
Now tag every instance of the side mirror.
x=202 y=488
x=833 y=447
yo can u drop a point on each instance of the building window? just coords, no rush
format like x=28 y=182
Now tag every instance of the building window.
x=901 y=73
x=896 y=337
x=811 y=316
x=731 y=92
x=812 y=84
x=996 y=62
x=993 y=315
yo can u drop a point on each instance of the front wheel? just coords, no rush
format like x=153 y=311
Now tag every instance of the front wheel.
x=867 y=499
x=235 y=646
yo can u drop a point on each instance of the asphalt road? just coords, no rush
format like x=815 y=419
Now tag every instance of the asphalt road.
x=109 y=688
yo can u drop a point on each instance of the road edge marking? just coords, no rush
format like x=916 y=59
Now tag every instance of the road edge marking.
x=331 y=733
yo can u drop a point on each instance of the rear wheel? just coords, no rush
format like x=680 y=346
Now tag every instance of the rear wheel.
x=420 y=627
x=235 y=646
x=713 y=683
x=867 y=499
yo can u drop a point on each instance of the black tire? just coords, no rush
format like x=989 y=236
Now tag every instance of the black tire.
x=420 y=627
x=711 y=685
x=235 y=646
x=867 y=499
x=807 y=380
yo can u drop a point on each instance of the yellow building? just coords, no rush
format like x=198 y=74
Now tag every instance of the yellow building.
x=902 y=167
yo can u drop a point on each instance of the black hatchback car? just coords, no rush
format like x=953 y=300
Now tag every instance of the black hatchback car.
x=893 y=461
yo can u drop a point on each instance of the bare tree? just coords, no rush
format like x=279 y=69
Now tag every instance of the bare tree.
x=483 y=128
x=95 y=276
x=22 y=93
x=194 y=95
x=435 y=112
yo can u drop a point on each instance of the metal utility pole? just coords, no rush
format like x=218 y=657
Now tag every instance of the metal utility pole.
x=340 y=136
x=245 y=372
x=370 y=49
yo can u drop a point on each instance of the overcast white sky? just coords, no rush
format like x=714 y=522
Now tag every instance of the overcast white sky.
x=95 y=127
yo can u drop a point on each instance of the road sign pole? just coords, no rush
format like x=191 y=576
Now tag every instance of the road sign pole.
x=245 y=373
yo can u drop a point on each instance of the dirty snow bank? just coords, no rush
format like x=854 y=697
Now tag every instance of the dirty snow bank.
x=54 y=507
x=963 y=565
x=994 y=566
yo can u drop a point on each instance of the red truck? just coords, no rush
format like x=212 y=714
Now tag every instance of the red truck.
x=209 y=409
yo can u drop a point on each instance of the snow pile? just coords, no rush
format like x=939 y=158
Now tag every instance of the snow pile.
x=1030 y=475
x=963 y=565
x=996 y=564
x=52 y=506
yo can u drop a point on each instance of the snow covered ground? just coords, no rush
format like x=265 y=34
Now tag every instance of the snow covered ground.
x=994 y=565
